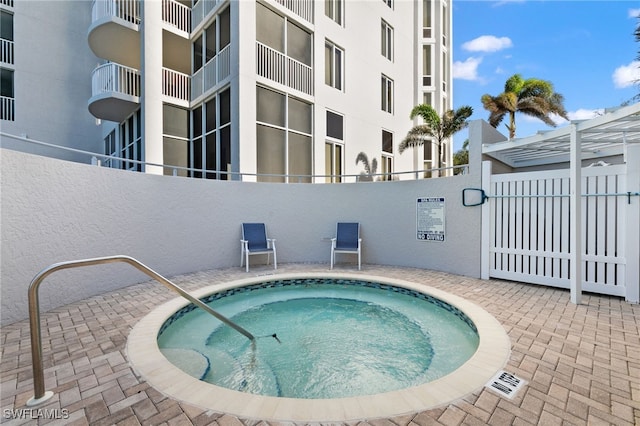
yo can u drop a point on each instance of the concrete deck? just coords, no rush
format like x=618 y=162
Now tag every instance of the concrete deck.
x=581 y=363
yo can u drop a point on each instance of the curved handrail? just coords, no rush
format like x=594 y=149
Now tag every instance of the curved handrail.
x=34 y=312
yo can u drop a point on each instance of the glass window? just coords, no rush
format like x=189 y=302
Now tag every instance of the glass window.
x=225 y=28
x=299 y=158
x=269 y=28
x=387 y=142
x=426 y=19
x=335 y=126
x=300 y=115
x=270 y=107
x=210 y=41
x=175 y=121
x=290 y=139
x=197 y=54
x=387 y=94
x=388 y=3
x=298 y=43
x=426 y=65
x=333 y=59
x=333 y=162
x=271 y=153
x=387 y=40
x=6 y=26
x=6 y=83
x=333 y=9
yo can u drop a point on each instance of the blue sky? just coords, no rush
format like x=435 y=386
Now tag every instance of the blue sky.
x=585 y=48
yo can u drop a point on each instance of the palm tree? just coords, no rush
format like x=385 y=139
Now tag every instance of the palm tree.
x=461 y=157
x=369 y=169
x=533 y=97
x=435 y=127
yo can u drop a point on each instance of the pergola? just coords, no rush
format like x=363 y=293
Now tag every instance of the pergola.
x=616 y=132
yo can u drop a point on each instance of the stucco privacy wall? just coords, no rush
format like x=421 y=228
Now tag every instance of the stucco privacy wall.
x=53 y=211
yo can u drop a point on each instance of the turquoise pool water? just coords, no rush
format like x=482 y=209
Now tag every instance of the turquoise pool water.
x=336 y=338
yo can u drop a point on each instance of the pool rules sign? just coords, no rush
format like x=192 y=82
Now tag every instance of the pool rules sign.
x=430 y=219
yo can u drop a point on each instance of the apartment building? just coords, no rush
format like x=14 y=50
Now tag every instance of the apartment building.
x=45 y=69
x=266 y=90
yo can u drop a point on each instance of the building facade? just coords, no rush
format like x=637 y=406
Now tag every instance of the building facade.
x=267 y=90
x=45 y=68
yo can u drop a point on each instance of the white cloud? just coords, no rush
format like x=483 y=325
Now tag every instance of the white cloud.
x=626 y=75
x=487 y=43
x=634 y=13
x=584 y=114
x=467 y=70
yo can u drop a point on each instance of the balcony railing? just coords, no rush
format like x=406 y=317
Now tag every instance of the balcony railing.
x=283 y=69
x=177 y=15
x=175 y=84
x=8 y=3
x=302 y=8
x=128 y=10
x=7 y=108
x=6 y=51
x=214 y=71
x=115 y=78
x=200 y=10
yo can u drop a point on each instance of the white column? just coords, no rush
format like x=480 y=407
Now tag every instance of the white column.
x=151 y=70
x=575 y=204
x=632 y=229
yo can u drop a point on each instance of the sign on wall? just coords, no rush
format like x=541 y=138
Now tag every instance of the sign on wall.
x=430 y=219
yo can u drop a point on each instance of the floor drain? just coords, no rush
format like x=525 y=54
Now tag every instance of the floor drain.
x=505 y=384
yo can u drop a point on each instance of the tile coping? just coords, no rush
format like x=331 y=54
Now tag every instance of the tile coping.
x=146 y=359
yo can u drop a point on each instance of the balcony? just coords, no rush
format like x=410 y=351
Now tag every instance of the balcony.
x=115 y=92
x=114 y=33
x=6 y=51
x=7 y=108
x=212 y=73
x=283 y=69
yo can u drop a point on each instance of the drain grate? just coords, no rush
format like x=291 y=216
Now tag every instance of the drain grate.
x=505 y=384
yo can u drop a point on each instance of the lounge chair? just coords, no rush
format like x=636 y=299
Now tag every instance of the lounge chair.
x=347 y=240
x=255 y=241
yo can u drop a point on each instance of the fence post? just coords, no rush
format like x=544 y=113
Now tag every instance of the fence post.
x=632 y=227
x=485 y=230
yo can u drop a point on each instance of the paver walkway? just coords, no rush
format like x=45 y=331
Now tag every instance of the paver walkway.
x=581 y=363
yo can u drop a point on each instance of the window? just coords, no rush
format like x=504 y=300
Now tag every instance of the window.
x=387 y=155
x=426 y=18
x=175 y=140
x=210 y=147
x=214 y=38
x=333 y=59
x=284 y=137
x=333 y=9
x=6 y=37
x=388 y=3
x=387 y=40
x=333 y=148
x=428 y=158
x=7 y=98
x=387 y=94
x=426 y=65
x=130 y=145
x=111 y=149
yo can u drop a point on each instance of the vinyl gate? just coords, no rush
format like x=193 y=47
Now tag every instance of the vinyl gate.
x=529 y=231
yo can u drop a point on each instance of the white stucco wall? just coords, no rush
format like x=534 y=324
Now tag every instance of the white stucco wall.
x=53 y=211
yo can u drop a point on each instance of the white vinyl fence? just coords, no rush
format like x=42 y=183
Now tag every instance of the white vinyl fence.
x=530 y=230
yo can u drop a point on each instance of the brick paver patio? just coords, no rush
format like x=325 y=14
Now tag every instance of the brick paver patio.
x=581 y=363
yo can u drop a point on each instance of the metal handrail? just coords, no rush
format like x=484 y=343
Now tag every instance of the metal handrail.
x=40 y=395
